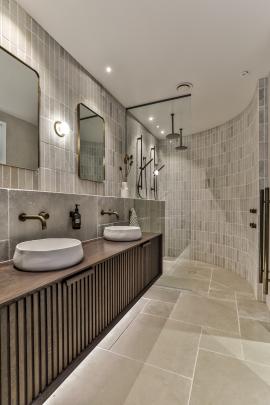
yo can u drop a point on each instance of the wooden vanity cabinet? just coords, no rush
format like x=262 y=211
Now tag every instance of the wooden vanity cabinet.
x=46 y=332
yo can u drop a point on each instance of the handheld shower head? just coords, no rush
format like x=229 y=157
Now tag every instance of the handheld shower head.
x=156 y=171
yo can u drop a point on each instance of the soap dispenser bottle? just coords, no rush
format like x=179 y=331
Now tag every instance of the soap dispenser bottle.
x=76 y=218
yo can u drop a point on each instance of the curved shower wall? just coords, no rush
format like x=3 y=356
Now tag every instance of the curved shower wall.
x=210 y=188
x=224 y=186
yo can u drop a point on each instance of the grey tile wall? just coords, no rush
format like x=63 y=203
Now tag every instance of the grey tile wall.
x=224 y=186
x=64 y=84
x=59 y=205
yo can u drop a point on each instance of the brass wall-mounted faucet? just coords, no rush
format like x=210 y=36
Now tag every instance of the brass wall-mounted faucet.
x=42 y=217
x=110 y=212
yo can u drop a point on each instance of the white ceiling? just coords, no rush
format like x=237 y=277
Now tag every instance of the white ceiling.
x=152 y=45
x=161 y=114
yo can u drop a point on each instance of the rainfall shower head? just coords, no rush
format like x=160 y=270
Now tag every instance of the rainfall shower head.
x=181 y=146
x=172 y=135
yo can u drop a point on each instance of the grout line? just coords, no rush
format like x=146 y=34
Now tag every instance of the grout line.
x=209 y=288
x=194 y=370
x=235 y=357
x=238 y=320
x=132 y=320
x=204 y=349
x=193 y=324
x=254 y=319
x=145 y=363
x=165 y=302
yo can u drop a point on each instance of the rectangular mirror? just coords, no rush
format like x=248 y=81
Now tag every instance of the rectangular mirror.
x=19 y=113
x=91 y=144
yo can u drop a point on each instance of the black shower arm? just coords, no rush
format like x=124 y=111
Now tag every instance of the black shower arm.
x=146 y=164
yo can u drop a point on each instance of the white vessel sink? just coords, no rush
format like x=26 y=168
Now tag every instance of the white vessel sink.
x=122 y=233
x=48 y=254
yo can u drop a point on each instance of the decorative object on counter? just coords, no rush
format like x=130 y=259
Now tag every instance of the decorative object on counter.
x=110 y=212
x=133 y=219
x=125 y=170
x=42 y=217
x=48 y=254
x=122 y=233
x=124 y=190
x=76 y=217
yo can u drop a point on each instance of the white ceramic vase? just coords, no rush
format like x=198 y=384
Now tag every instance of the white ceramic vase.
x=124 y=190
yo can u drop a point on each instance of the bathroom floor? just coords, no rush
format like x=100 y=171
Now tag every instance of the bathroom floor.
x=197 y=337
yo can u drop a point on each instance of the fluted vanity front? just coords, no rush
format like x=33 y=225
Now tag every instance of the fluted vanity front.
x=51 y=320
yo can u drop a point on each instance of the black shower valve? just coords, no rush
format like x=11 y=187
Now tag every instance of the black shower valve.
x=253 y=210
x=253 y=225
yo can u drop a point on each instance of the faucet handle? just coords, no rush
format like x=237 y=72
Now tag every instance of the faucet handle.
x=44 y=214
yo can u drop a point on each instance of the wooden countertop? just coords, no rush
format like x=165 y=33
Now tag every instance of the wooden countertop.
x=15 y=283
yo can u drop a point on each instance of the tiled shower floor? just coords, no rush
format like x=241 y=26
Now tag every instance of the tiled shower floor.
x=197 y=337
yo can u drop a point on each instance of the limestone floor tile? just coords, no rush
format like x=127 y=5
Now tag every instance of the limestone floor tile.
x=102 y=378
x=139 y=338
x=122 y=325
x=168 y=267
x=256 y=340
x=158 y=387
x=226 y=343
x=158 y=308
x=229 y=279
x=245 y=296
x=253 y=309
x=186 y=271
x=176 y=348
x=199 y=310
x=191 y=284
x=162 y=294
x=223 y=380
x=223 y=294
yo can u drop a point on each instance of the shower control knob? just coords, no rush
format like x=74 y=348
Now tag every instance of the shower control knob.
x=252 y=225
x=253 y=211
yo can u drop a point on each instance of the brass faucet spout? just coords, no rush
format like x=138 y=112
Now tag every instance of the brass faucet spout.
x=42 y=217
x=110 y=212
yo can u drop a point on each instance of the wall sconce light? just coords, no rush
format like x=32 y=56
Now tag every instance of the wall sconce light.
x=61 y=128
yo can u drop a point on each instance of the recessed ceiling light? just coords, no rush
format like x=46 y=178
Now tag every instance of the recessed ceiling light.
x=162 y=132
x=151 y=118
x=108 y=69
x=244 y=73
x=157 y=126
